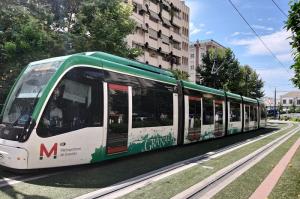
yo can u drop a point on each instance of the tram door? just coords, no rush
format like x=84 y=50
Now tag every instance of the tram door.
x=219 y=127
x=247 y=117
x=117 y=127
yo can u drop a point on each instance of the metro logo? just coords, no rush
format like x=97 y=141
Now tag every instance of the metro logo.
x=44 y=151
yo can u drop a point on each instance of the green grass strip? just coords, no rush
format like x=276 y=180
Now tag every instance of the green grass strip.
x=288 y=185
x=246 y=184
x=179 y=182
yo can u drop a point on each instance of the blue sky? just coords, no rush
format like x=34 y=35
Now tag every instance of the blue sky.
x=216 y=19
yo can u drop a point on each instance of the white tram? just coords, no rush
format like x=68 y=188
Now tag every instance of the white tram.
x=91 y=107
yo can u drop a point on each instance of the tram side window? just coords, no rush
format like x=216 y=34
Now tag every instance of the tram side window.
x=75 y=103
x=208 y=111
x=263 y=113
x=235 y=112
x=151 y=107
x=251 y=113
x=194 y=114
x=254 y=113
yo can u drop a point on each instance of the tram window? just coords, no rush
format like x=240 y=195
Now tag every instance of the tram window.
x=194 y=114
x=208 y=111
x=252 y=114
x=235 y=112
x=151 y=107
x=263 y=113
x=75 y=103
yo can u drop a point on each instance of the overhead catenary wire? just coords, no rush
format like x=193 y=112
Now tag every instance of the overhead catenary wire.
x=279 y=9
x=257 y=35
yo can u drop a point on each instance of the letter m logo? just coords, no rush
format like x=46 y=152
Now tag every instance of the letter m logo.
x=44 y=151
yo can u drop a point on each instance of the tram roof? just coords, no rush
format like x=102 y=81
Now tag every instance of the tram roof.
x=250 y=100
x=234 y=96
x=198 y=87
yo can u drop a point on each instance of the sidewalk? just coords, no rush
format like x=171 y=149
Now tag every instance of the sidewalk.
x=271 y=180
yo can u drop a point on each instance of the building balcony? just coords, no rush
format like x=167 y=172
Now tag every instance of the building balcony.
x=166 y=15
x=138 y=39
x=165 y=48
x=153 y=7
x=177 y=21
x=152 y=44
x=176 y=37
x=151 y=24
x=164 y=30
x=176 y=52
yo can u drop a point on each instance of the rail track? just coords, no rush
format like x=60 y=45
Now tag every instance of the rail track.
x=216 y=182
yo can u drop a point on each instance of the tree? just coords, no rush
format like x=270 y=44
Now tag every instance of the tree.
x=23 y=38
x=220 y=70
x=250 y=84
x=292 y=24
x=36 y=29
x=180 y=75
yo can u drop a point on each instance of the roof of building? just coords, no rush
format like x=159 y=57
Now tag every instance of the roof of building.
x=207 y=41
x=292 y=94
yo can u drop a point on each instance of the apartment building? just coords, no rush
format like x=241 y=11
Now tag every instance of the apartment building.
x=197 y=50
x=162 y=31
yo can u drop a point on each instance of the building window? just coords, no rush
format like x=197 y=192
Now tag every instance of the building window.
x=176 y=29
x=290 y=101
x=135 y=10
x=176 y=45
x=284 y=101
x=298 y=102
x=152 y=34
x=165 y=39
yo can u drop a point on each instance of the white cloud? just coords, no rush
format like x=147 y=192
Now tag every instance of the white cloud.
x=268 y=75
x=209 y=32
x=259 y=19
x=260 y=27
x=195 y=29
x=285 y=57
x=240 y=33
x=278 y=42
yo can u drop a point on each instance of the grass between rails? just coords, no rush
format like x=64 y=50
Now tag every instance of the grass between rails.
x=246 y=184
x=288 y=185
x=179 y=182
x=80 y=180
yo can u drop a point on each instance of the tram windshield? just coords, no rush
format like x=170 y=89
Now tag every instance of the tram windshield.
x=25 y=95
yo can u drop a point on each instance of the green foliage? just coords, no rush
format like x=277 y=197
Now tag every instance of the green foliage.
x=221 y=70
x=292 y=24
x=250 y=84
x=180 y=74
x=37 y=29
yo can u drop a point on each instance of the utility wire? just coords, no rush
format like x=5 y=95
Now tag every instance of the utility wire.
x=264 y=44
x=279 y=8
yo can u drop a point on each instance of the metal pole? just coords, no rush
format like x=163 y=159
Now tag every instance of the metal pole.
x=275 y=104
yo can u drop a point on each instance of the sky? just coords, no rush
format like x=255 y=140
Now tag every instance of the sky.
x=217 y=20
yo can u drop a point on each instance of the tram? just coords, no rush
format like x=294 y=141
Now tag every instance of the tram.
x=94 y=106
